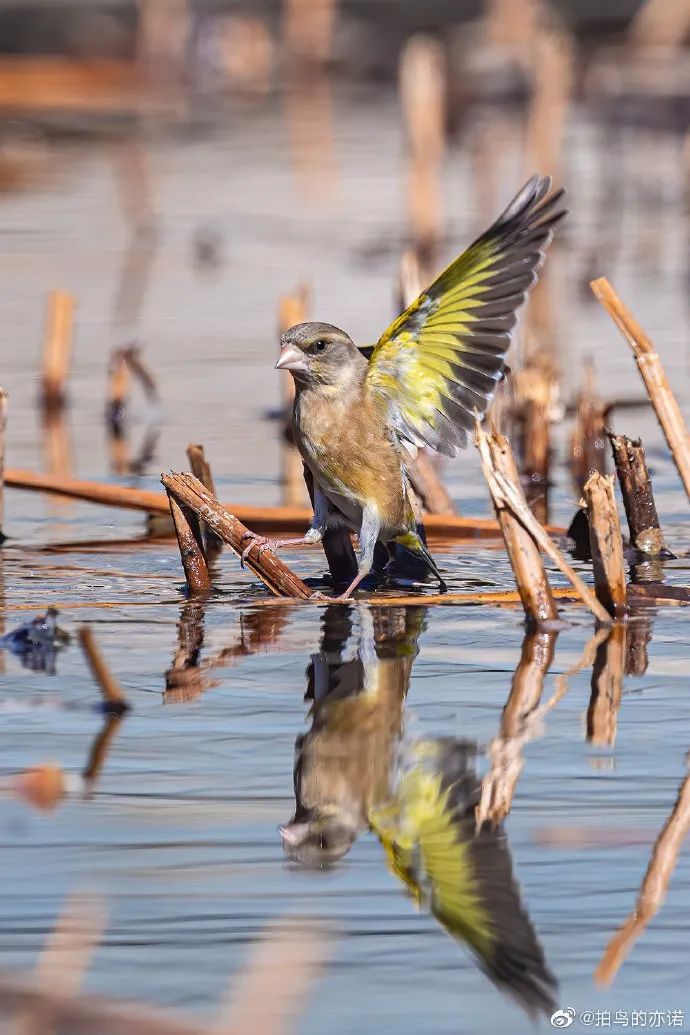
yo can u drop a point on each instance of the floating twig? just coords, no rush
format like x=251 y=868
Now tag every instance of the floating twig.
x=57 y=348
x=275 y=575
x=649 y=364
x=113 y=695
x=606 y=543
x=261 y=519
x=638 y=496
x=504 y=494
x=523 y=551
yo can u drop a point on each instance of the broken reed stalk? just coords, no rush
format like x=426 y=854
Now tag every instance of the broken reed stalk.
x=189 y=541
x=118 y=390
x=638 y=496
x=523 y=552
x=587 y=442
x=606 y=543
x=275 y=575
x=649 y=364
x=57 y=348
x=505 y=495
x=423 y=99
x=115 y=700
x=429 y=487
x=654 y=887
x=3 y=429
x=201 y=469
x=292 y=309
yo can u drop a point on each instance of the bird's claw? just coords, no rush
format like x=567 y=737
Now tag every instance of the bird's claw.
x=255 y=540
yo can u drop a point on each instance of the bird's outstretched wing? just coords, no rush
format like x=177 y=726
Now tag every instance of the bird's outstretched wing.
x=437 y=365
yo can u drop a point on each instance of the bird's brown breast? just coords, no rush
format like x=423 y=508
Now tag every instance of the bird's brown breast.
x=342 y=436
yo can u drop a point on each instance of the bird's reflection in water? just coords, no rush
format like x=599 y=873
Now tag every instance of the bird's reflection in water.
x=357 y=769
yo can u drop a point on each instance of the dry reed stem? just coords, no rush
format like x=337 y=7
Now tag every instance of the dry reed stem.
x=57 y=347
x=505 y=751
x=274 y=574
x=607 y=688
x=286 y=961
x=606 y=542
x=308 y=30
x=660 y=23
x=292 y=309
x=60 y=83
x=119 y=377
x=504 y=495
x=649 y=364
x=654 y=887
x=587 y=442
x=409 y=283
x=201 y=469
x=638 y=495
x=64 y=960
x=423 y=98
x=110 y=688
x=3 y=429
x=274 y=519
x=429 y=487
x=523 y=551
x=188 y=532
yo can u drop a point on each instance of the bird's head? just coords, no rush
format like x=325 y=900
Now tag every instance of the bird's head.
x=321 y=838
x=319 y=353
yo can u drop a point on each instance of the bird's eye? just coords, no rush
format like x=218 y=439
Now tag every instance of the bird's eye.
x=320 y=345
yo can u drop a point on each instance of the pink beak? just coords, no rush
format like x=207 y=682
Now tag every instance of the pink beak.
x=291 y=358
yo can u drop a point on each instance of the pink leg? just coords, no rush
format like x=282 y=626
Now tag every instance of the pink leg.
x=264 y=543
x=351 y=588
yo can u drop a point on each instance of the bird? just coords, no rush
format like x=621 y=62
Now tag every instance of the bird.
x=362 y=768
x=359 y=422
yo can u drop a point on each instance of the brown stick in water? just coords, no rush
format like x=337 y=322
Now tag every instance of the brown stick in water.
x=201 y=469
x=649 y=364
x=188 y=490
x=188 y=532
x=505 y=494
x=606 y=543
x=523 y=552
x=57 y=348
x=638 y=496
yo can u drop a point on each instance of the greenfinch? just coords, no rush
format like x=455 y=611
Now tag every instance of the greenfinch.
x=357 y=422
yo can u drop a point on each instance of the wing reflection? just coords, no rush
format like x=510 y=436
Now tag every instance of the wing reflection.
x=357 y=769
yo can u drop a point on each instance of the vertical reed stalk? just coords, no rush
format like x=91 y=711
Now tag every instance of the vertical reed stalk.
x=606 y=543
x=57 y=348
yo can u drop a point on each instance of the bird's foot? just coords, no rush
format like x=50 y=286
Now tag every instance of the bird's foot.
x=261 y=541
